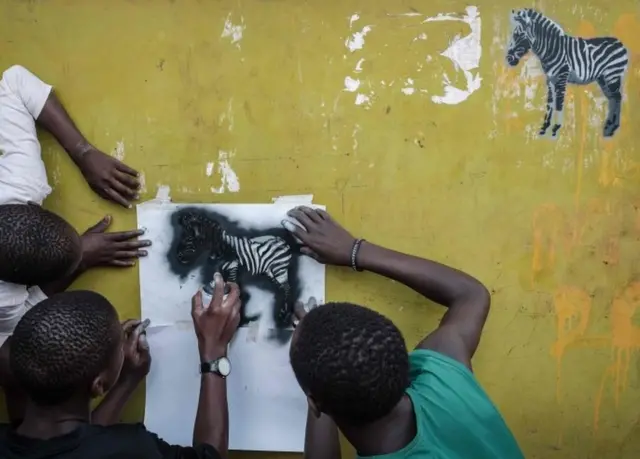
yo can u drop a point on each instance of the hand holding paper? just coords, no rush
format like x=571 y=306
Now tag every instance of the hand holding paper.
x=324 y=240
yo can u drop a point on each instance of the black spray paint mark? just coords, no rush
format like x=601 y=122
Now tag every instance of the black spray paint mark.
x=566 y=59
x=267 y=259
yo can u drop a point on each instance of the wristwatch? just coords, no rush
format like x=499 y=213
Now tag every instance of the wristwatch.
x=220 y=367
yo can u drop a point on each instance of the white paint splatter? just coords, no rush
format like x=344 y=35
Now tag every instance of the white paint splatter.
x=422 y=36
x=358 y=68
x=362 y=99
x=404 y=14
x=118 y=152
x=56 y=177
x=465 y=53
x=357 y=39
x=354 y=17
x=350 y=84
x=209 y=169
x=356 y=129
x=143 y=182
x=408 y=87
x=228 y=177
x=597 y=110
x=233 y=31
x=227 y=116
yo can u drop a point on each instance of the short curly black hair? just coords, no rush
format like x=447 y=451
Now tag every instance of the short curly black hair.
x=36 y=246
x=351 y=360
x=62 y=344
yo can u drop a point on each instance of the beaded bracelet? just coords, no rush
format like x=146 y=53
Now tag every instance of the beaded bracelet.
x=354 y=254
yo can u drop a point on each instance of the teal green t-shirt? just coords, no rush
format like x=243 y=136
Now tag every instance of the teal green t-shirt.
x=455 y=419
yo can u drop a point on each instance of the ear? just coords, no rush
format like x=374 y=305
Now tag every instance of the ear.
x=313 y=407
x=513 y=17
x=99 y=386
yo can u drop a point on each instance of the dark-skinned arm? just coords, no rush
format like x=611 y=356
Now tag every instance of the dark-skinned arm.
x=215 y=326
x=212 y=418
x=109 y=410
x=321 y=439
x=62 y=284
x=108 y=177
x=55 y=119
x=100 y=248
x=135 y=367
x=465 y=297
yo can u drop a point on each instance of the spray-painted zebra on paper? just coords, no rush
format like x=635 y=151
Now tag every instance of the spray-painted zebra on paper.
x=566 y=59
x=202 y=241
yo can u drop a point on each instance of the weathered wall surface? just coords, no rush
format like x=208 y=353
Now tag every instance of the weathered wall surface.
x=404 y=119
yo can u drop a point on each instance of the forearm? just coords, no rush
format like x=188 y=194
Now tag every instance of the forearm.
x=55 y=119
x=321 y=438
x=212 y=419
x=62 y=284
x=439 y=283
x=109 y=410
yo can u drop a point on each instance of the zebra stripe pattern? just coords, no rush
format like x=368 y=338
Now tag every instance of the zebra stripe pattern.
x=566 y=59
x=268 y=255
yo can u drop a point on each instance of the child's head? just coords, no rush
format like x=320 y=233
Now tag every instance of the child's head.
x=67 y=346
x=351 y=362
x=36 y=246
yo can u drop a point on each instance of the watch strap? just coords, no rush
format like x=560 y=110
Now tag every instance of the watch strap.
x=211 y=366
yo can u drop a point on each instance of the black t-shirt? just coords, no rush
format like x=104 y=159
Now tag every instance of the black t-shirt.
x=121 y=441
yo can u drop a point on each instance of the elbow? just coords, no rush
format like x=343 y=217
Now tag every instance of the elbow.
x=478 y=293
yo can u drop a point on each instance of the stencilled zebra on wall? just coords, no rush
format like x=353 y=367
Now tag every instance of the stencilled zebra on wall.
x=236 y=257
x=566 y=59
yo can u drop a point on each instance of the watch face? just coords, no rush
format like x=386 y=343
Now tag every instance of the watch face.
x=224 y=366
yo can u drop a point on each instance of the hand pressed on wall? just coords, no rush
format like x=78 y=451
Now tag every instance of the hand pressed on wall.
x=100 y=248
x=109 y=178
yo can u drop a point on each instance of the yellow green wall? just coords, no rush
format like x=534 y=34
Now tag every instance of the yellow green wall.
x=552 y=227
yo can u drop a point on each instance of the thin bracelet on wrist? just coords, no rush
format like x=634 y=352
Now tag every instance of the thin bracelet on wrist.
x=354 y=254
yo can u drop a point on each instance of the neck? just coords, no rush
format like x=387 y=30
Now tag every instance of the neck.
x=386 y=435
x=44 y=422
x=540 y=46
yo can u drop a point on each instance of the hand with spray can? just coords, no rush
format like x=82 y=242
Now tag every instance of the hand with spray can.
x=208 y=292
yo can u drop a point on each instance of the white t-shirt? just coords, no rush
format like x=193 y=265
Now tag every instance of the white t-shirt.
x=23 y=177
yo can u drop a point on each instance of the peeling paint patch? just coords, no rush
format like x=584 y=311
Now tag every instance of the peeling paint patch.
x=233 y=31
x=465 y=54
x=356 y=40
x=228 y=177
x=143 y=182
x=351 y=84
x=362 y=99
x=408 y=87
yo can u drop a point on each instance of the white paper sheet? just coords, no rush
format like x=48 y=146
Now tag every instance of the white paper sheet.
x=267 y=409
